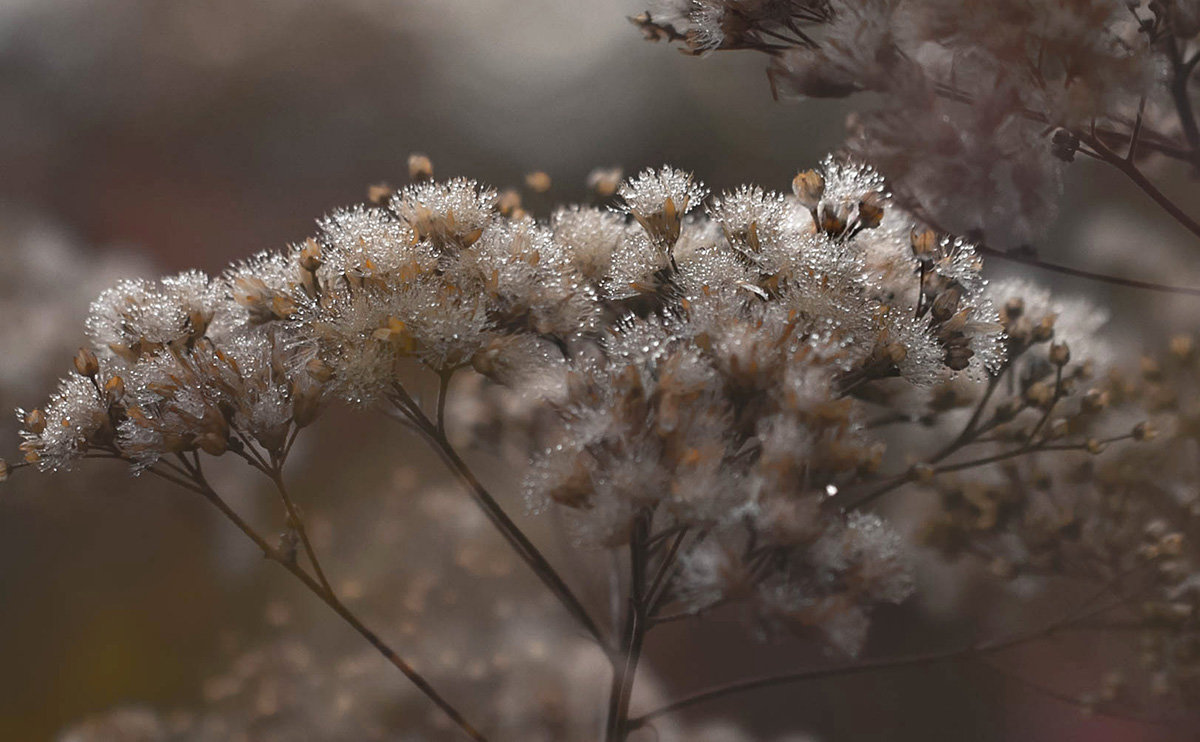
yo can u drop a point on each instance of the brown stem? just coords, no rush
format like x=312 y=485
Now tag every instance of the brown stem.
x=298 y=523
x=855 y=668
x=1135 y=175
x=317 y=588
x=1066 y=270
x=1181 y=73
x=633 y=634
x=511 y=532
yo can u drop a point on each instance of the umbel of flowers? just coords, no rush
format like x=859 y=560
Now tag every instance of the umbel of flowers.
x=714 y=368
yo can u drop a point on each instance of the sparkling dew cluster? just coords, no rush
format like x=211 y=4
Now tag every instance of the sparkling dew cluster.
x=704 y=356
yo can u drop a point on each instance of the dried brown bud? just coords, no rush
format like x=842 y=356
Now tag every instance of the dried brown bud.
x=832 y=223
x=1151 y=370
x=306 y=401
x=1094 y=401
x=945 y=305
x=1008 y=409
x=924 y=244
x=922 y=472
x=86 y=363
x=419 y=167
x=1057 y=429
x=380 y=193
x=870 y=210
x=538 y=182
x=1183 y=347
x=809 y=187
x=604 y=182
x=1044 y=329
x=115 y=387
x=214 y=436
x=1039 y=394
x=1144 y=431
x=1094 y=446
x=1060 y=354
x=958 y=357
x=319 y=370
x=5 y=470
x=310 y=255
x=509 y=202
x=35 y=421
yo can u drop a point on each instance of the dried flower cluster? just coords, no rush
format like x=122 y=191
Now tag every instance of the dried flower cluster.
x=980 y=104
x=705 y=383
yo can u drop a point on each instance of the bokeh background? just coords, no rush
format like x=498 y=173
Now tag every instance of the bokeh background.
x=142 y=137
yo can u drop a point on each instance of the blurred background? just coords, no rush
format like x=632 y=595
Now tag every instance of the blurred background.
x=139 y=137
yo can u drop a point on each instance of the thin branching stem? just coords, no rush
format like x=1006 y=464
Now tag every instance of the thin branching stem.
x=511 y=532
x=633 y=634
x=200 y=486
x=1135 y=175
x=296 y=521
x=922 y=658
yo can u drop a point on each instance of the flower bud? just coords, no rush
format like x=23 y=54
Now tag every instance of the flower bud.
x=809 y=187
x=832 y=223
x=115 y=387
x=1060 y=354
x=310 y=256
x=1043 y=330
x=922 y=472
x=945 y=305
x=538 y=182
x=5 y=470
x=1183 y=347
x=306 y=401
x=923 y=243
x=508 y=202
x=870 y=210
x=1144 y=431
x=380 y=193
x=86 y=363
x=319 y=370
x=420 y=167
x=1094 y=401
x=35 y=421
x=604 y=182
